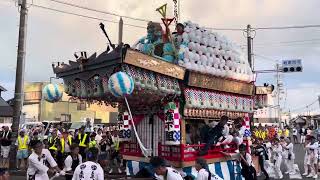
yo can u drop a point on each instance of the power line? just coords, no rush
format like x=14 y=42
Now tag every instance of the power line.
x=99 y=11
x=264 y=57
x=285 y=42
x=288 y=27
x=304 y=107
x=85 y=16
x=224 y=29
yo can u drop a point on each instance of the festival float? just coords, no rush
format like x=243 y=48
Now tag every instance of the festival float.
x=164 y=83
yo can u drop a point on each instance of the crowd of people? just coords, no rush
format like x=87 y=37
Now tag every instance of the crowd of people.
x=63 y=150
x=90 y=152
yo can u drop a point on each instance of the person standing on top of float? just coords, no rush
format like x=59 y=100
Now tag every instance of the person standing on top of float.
x=37 y=169
x=203 y=171
x=168 y=173
x=289 y=159
x=277 y=150
x=22 y=153
x=89 y=170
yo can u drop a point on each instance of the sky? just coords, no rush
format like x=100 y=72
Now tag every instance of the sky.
x=53 y=36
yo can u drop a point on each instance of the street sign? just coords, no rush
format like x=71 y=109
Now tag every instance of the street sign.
x=294 y=65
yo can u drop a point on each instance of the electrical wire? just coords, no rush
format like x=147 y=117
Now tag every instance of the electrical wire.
x=224 y=29
x=304 y=107
x=288 y=27
x=100 y=11
x=84 y=16
x=264 y=57
x=284 y=42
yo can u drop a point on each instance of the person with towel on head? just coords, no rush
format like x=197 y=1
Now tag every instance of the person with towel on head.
x=37 y=163
x=203 y=171
x=160 y=168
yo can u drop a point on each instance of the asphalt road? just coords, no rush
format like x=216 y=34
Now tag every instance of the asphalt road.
x=299 y=155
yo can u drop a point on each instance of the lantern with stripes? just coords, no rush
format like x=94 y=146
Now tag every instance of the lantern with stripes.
x=120 y=84
x=52 y=93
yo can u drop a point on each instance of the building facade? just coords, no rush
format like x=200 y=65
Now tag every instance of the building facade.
x=6 y=110
x=35 y=108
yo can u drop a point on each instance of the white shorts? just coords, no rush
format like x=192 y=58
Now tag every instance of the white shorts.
x=5 y=151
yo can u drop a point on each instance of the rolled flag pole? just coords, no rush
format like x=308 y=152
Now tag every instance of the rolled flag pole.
x=146 y=152
x=121 y=84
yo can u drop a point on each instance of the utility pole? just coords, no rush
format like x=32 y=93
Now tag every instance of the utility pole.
x=278 y=94
x=249 y=45
x=19 y=84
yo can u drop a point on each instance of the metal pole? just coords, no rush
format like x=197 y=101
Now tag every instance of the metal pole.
x=120 y=31
x=249 y=39
x=278 y=95
x=19 y=89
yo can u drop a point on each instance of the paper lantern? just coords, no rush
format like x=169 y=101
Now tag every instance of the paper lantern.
x=120 y=84
x=52 y=93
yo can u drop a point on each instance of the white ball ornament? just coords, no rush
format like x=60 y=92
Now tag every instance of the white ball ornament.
x=52 y=93
x=204 y=59
x=121 y=84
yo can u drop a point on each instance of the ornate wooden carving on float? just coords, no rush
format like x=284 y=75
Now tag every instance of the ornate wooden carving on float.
x=153 y=64
x=219 y=84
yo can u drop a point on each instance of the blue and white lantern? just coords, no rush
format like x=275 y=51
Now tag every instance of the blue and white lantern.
x=52 y=93
x=121 y=84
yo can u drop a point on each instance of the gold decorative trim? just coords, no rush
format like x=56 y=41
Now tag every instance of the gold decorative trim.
x=219 y=84
x=138 y=59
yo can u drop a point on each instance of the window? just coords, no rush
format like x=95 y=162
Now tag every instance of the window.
x=33 y=95
x=66 y=117
x=81 y=106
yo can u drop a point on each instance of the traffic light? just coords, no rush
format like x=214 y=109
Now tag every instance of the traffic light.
x=291 y=66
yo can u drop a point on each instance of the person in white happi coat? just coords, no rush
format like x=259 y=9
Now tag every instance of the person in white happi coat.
x=306 y=161
x=37 y=167
x=289 y=158
x=162 y=171
x=313 y=158
x=72 y=161
x=89 y=170
x=239 y=131
x=203 y=171
x=277 y=152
